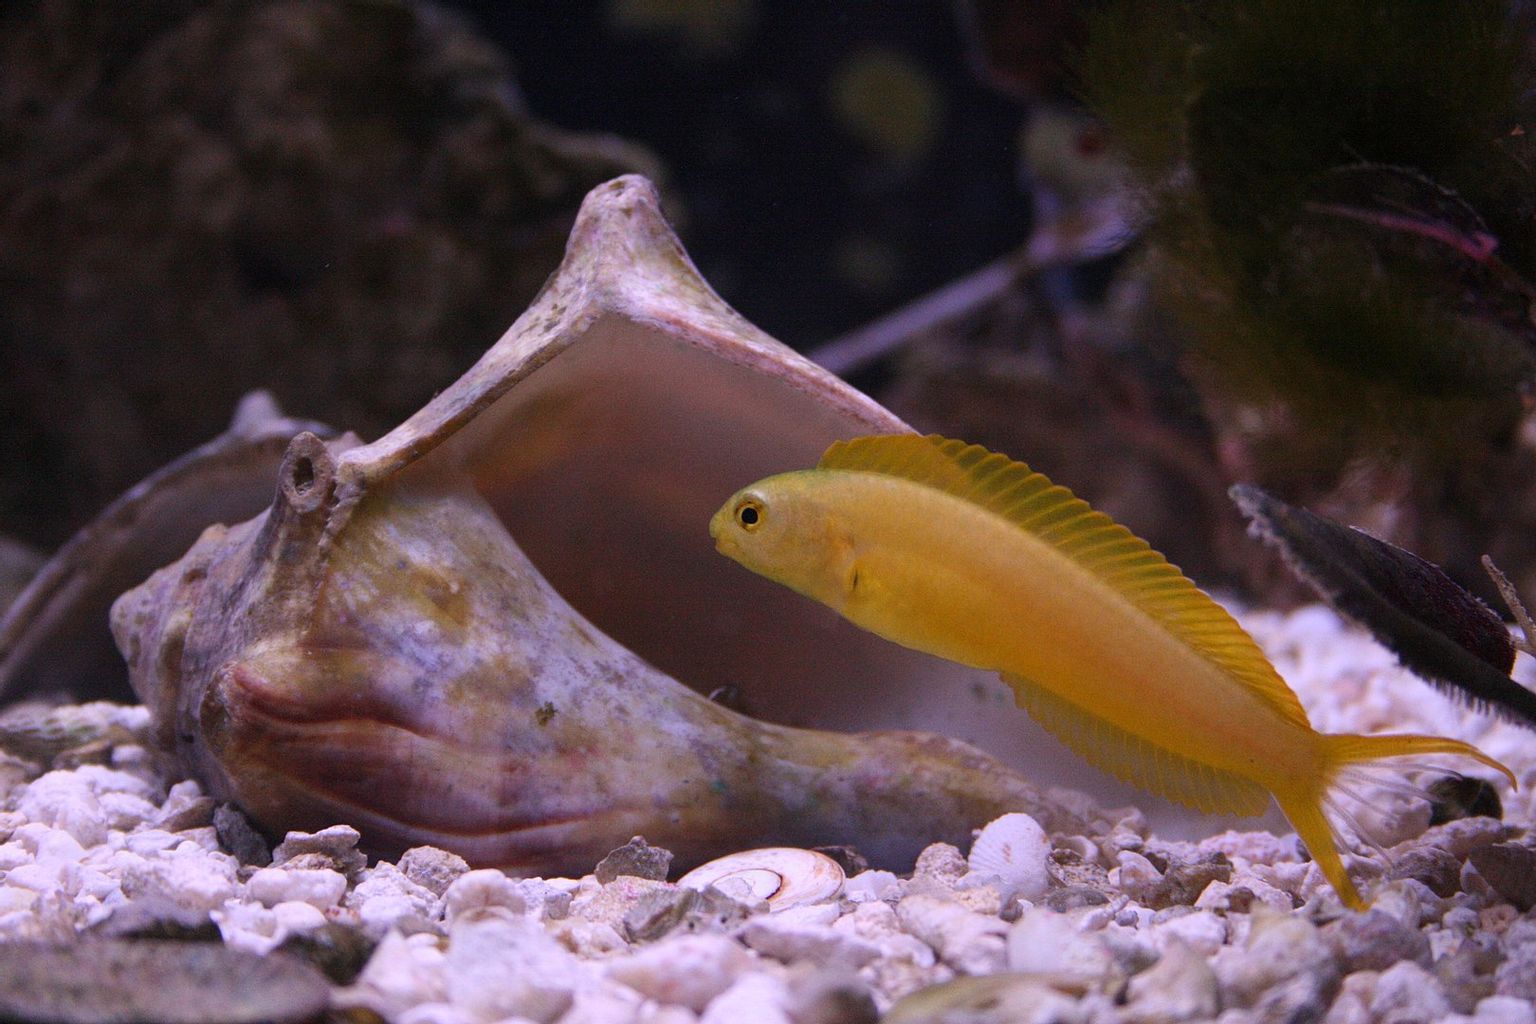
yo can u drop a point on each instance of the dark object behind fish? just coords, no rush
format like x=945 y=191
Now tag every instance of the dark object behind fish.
x=1435 y=627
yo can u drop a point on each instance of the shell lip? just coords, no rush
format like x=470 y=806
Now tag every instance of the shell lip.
x=255 y=696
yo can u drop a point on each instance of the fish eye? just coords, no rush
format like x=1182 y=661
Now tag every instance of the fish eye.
x=749 y=514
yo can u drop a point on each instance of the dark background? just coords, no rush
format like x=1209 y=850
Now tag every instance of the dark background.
x=348 y=201
x=781 y=197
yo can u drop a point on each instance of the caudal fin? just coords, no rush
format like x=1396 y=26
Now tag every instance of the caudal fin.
x=1306 y=802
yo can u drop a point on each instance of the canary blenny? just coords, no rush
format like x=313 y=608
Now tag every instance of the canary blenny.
x=951 y=549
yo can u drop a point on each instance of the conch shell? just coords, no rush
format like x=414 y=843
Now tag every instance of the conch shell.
x=378 y=649
x=54 y=640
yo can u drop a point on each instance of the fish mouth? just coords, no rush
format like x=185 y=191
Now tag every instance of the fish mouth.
x=719 y=534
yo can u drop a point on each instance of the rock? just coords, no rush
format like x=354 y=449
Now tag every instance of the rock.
x=499 y=965
x=1352 y=1004
x=487 y=887
x=790 y=941
x=938 y=870
x=171 y=982
x=432 y=869
x=321 y=888
x=1235 y=898
x=829 y=997
x=1201 y=931
x=186 y=876
x=1510 y=868
x=1179 y=987
x=1461 y=980
x=587 y=939
x=994 y=999
x=613 y=1004
x=1431 y=865
x=339 y=951
x=239 y=836
x=384 y=898
x=1279 y=948
x=1045 y=942
x=1374 y=941
x=870 y=885
x=1137 y=877
x=753 y=999
x=666 y=910
x=847 y=857
x=611 y=904
x=1074 y=897
x=64 y=800
x=404 y=971
x=1407 y=991
x=185 y=807
x=1516 y=976
x=1069 y=869
x=1304 y=997
x=1505 y=1010
x=636 y=858
x=1184 y=881
x=688 y=970
x=971 y=943
x=334 y=847
x=1460 y=837
x=1409 y=902
x=436 y=1013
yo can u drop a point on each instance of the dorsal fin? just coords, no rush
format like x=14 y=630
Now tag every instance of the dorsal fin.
x=1092 y=540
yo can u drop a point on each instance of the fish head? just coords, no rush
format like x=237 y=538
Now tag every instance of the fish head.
x=782 y=528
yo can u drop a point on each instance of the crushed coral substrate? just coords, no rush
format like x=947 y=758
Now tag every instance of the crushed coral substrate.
x=1101 y=928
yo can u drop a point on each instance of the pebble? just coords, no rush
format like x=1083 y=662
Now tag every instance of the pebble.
x=1201 y=931
x=321 y=888
x=689 y=970
x=1510 y=869
x=1127 y=926
x=432 y=869
x=1406 y=991
x=1516 y=976
x=1505 y=1010
x=1374 y=941
x=1436 y=868
x=334 y=847
x=636 y=858
x=65 y=800
x=753 y=999
x=1180 y=987
x=499 y=965
x=1279 y=948
x=971 y=943
x=1045 y=942
x=487 y=887
x=871 y=885
x=791 y=941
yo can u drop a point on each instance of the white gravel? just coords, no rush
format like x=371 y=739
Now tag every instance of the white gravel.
x=1238 y=927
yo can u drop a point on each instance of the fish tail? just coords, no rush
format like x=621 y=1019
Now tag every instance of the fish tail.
x=1308 y=803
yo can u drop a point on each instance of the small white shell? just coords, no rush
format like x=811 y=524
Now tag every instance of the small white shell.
x=783 y=875
x=1014 y=849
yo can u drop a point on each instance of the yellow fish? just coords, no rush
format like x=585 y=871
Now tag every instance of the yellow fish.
x=948 y=548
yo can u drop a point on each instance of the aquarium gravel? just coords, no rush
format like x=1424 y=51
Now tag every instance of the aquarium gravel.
x=1029 y=927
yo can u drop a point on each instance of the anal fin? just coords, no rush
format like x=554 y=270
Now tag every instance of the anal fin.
x=1141 y=763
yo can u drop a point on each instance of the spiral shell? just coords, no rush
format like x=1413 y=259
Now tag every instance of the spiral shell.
x=783 y=875
x=483 y=607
